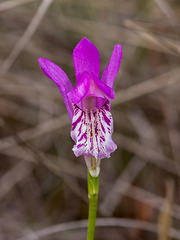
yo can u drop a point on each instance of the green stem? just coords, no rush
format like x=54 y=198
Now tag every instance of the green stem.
x=93 y=189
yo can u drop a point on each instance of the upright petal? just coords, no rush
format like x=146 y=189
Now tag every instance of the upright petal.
x=59 y=77
x=86 y=59
x=112 y=68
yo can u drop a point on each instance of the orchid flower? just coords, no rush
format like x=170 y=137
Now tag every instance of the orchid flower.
x=89 y=103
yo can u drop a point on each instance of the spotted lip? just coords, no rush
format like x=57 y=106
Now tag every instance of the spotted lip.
x=92 y=132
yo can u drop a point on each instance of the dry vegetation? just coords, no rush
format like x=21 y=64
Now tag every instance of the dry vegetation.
x=43 y=192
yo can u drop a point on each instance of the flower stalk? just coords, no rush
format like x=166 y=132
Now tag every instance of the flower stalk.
x=93 y=189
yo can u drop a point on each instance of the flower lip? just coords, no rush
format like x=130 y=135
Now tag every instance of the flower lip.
x=92 y=132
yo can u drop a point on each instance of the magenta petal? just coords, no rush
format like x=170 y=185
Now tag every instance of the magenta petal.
x=78 y=93
x=59 y=77
x=112 y=68
x=108 y=91
x=88 y=87
x=86 y=59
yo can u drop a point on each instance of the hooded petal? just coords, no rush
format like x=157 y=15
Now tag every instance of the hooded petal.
x=86 y=59
x=78 y=93
x=90 y=92
x=112 y=68
x=108 y=91
x=59 y=77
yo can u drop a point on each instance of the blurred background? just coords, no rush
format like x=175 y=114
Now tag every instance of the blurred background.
x=43 y=187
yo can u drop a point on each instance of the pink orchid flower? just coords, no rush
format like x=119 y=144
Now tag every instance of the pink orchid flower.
x=88 y=104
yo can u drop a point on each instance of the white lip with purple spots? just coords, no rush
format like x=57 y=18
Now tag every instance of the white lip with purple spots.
x=92 y=132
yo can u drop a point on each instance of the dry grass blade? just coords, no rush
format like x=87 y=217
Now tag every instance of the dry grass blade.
x=147 y=154
x=110 y=32
x=147 y=87
x=13 y=176
x=165 y=216
x=143 y=128
x=12 y=4
x=166 y=45
x=167 y=10
x=29 y=134
x=100 y=222
x=21 y=113
x=26 y=36
x=60 y=167
x=57 y=165
x=146 y=134
x=115 y=194
x=145 y=197
x=149 y=37
x=172 y=120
